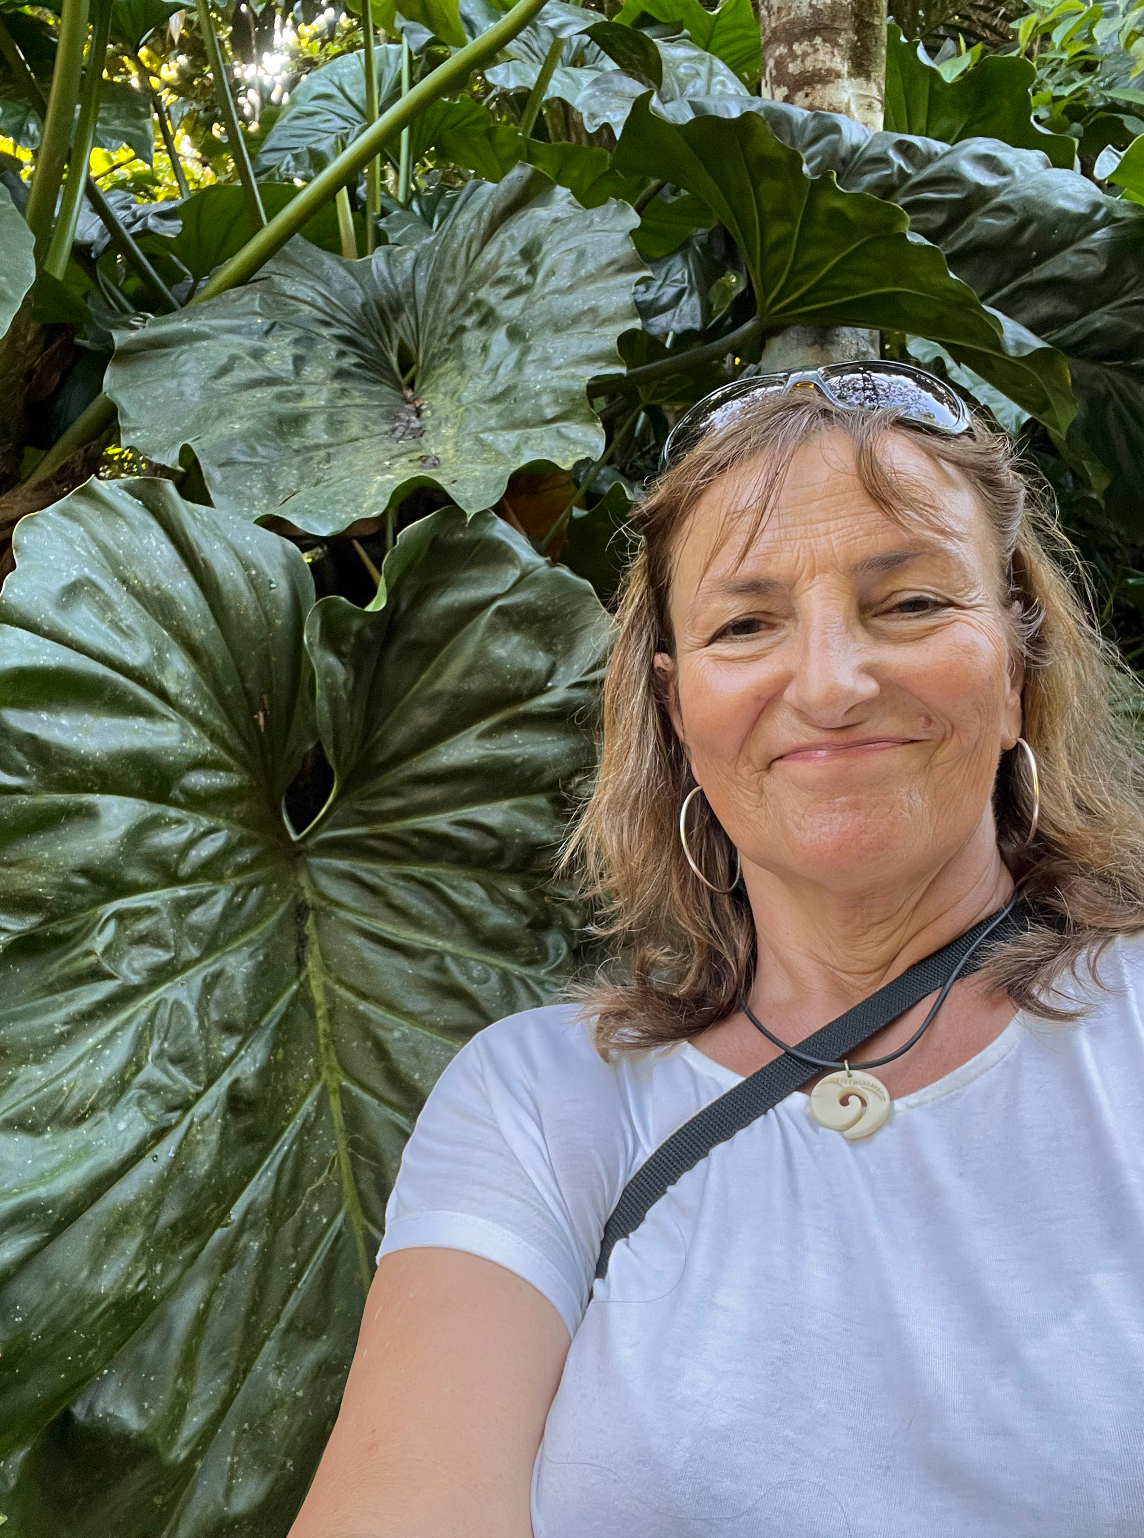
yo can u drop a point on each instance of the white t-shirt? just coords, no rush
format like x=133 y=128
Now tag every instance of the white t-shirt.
x=937 y=1331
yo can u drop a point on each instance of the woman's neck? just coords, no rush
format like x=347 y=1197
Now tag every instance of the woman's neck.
x=821 y=951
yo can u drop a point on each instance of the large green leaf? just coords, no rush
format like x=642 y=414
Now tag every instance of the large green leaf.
x=585 y=169
x=989 y=100
x=124 y=117
x=731 y=31
x=581 y=60
x=133 y=21
x=686 y=71
x=1043 y=246
x=326 y=390
x=326 y=113
x=217 y=1034
x=17 y=264
x=441 y=17
x=465 y=132
x=819 y=255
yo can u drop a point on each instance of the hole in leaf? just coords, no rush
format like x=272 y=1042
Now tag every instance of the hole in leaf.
x=309 y=790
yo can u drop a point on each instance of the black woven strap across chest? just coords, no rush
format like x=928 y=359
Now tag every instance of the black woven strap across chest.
x=756 y=1095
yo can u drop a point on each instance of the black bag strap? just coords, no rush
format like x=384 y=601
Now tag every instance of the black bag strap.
x=739 y=1106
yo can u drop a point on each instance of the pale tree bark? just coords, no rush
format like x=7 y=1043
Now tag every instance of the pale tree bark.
x=826 y=56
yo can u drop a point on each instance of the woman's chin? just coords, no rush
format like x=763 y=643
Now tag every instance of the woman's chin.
x=853 y=854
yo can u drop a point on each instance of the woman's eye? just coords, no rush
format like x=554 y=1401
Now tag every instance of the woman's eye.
x=916 y=603
x=749 y=624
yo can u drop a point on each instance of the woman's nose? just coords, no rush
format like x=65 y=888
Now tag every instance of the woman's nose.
x=831 y=677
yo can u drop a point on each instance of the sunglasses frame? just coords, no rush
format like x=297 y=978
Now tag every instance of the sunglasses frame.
x=692 y=426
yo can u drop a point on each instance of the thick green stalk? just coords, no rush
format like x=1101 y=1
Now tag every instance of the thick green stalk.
x=123 y=242
x=373 y=169
x=449 y=76
x=57 y=131
x=404 y=168
x=346 y=225
x=234 y=137
x=536 y=96
x=59 y=250
x=157 y=107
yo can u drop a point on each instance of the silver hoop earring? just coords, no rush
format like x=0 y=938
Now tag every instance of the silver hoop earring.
x=723 y=891
x=1035 y=781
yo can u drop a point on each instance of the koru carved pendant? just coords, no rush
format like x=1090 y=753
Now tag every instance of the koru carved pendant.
x=853 y=1103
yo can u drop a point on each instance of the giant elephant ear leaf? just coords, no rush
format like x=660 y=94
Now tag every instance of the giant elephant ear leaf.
x=218 y=1031
x=989 y=100
x=326 y=113
x=818 y=255
x=17 y=264
x=730 y=32
x=1044 y=247
x=326 y=390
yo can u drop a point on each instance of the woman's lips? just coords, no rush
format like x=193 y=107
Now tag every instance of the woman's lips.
x=831 y=752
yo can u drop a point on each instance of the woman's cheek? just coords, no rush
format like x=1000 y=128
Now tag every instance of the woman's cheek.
x=719 y=705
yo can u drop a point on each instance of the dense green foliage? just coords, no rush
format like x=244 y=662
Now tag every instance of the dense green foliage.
x=372 y=339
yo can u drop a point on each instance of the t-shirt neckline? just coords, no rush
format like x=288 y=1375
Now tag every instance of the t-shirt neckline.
x=957 y=1078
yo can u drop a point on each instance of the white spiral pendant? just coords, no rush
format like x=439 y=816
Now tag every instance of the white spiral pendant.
x=855 y=1104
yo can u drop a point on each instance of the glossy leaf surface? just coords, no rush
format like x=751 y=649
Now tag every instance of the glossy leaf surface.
x=325 y=390
x=819 y=255
x=686 y=71
x=217 y=1034
x=17 y=265
x=730 y=32
x=1041 y=245
x=326 y=113
x=989 y=100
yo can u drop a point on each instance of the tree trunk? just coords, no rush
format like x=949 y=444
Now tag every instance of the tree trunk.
x=826 y=56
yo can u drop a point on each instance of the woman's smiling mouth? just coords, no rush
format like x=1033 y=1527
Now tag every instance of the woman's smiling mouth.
x=831 y=752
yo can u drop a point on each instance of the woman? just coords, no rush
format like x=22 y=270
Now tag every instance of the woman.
x=903 y=1304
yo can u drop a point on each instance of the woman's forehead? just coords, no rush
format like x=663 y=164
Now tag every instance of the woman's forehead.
x=821 y=503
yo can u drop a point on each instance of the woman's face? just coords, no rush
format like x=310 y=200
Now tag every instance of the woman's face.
x=844 y=685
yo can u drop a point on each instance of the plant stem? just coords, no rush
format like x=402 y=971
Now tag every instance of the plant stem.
x=258 y=250
x=236 y=143
x=59 y=249
x=57 y=129
x=403 y=168
x=128 y=248
x=373 y=169
x=648 y=195
x=160 y=111
x=366 y=562
x=536 y=96
x=695 y=357
x=88 y=426
x=123 y=242
x=346 y=225
x=448 y=76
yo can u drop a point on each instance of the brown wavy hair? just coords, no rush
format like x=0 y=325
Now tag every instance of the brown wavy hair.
x=684 y=956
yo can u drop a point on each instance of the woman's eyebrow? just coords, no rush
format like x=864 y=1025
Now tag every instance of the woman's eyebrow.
x=894 y=560
x=873 y=565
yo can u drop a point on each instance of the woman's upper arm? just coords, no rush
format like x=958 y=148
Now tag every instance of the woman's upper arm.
x=456 y=1366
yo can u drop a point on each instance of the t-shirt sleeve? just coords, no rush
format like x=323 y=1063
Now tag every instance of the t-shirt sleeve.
x=518 y=1156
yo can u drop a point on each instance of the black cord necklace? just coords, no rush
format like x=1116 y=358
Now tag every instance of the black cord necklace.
x=880 y=1062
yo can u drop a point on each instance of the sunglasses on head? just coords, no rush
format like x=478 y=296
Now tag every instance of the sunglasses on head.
x=917 y=397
